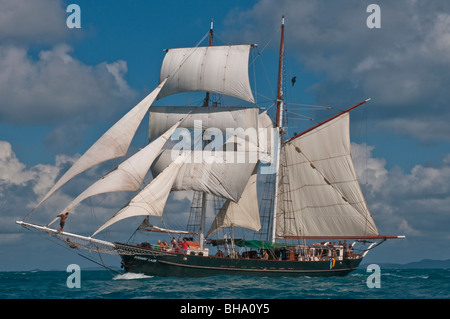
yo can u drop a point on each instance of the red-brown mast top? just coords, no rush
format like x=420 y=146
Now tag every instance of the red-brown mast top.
x=280 y=74
x=211 y=34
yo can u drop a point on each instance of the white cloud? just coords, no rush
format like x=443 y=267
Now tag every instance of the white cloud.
x=21 y=187
x=413 y=203
x=25 y=184
x=368 y=169
x=12 y=171
x=403 y=66
x=42 y=21
x=57 y=86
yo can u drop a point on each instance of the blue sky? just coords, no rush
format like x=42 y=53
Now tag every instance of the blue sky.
x=61 y=88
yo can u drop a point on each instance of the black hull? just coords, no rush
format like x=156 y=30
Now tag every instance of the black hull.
x=160 y=263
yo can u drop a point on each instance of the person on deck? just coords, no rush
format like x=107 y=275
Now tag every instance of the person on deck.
x=164 y=245
x=174 y=244
x=62 y=220
x=184 y=246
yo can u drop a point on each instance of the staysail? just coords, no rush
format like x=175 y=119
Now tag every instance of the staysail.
x=114 y=143
x=218 y=69
x=244 y=213
x=128 y=176
x=319 y=192
x=152 y=199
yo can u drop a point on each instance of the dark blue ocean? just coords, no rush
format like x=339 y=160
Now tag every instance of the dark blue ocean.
x=105 y=284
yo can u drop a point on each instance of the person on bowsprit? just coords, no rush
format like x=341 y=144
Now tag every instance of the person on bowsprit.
x=62 y=221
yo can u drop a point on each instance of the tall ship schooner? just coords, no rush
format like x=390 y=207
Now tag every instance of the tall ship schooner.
x=311 y=219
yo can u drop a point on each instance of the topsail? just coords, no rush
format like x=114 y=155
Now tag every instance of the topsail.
x=218 y=69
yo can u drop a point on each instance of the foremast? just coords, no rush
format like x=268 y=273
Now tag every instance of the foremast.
x=201 y=234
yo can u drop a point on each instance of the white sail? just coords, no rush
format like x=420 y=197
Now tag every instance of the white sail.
x=319 y=192
x=244 y=213
x=266 y=137
x=222 y=118
x=114 y=143
x=128 y=176
x=152 y=199
x=216 y=173
x=218 y=69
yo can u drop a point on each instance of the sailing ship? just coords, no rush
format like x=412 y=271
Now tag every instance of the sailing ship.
x=314 y=194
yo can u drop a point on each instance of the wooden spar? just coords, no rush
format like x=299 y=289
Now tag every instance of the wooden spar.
x=201 y=234
x=278 y=125
x=280 y=74
x=170 y=231
x=211 y=34
x=343 y=237
x=206 y=101
x=326 y=121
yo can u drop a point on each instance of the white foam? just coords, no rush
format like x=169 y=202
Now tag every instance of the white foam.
x=130 y=276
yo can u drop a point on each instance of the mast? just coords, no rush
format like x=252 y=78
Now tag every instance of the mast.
x=204 y=204
x=280 y=76
x=211 y=36
x=279 y=119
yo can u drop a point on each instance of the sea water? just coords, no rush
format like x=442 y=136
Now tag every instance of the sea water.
x=103 y=284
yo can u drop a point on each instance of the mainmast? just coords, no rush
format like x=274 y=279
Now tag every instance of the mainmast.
x=280 y=79
x=279 y=121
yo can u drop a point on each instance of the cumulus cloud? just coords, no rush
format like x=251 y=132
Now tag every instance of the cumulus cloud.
x=36 y=180
x=403 y=66
x=12 y=171
x=413 y=203
x=370 y=171
x=21 y=187
x=43 y=83
x=57 y=86
x=23 y=22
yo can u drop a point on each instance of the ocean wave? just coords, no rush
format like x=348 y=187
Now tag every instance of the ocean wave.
x=131 y=276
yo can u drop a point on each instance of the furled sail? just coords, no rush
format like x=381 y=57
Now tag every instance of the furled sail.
x=114 y=143
x=218 y=69
x=319 y=195
x=244 y=213
x=152 y=199
x=222 y=118
x=145 y=225
x=128 y=176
